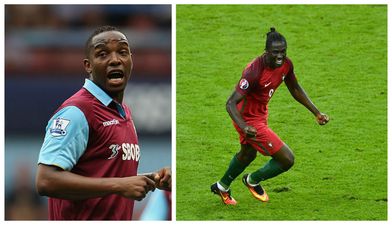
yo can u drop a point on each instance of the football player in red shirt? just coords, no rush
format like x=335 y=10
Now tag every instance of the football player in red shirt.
x=248 y=108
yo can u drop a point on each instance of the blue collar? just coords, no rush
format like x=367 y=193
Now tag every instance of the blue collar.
x=102 y=96
x=97 y=92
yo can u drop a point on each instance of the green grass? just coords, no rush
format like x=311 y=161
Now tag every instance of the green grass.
x=340 y=58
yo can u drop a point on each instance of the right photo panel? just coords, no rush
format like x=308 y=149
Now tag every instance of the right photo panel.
x=281 y=112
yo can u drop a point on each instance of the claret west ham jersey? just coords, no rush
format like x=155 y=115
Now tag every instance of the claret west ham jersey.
x=258 y=83
x=93 y=136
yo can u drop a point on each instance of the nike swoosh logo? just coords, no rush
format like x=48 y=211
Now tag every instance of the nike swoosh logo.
x=225 y=197
x=266 y=85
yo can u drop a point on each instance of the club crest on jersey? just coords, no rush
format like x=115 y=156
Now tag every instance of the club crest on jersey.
x=244 y=84
x=59 y=126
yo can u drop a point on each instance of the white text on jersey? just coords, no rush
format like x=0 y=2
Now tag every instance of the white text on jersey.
x=130 y=151
x=110 y=122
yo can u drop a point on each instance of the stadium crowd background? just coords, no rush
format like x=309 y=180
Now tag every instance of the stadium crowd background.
x=44 y=49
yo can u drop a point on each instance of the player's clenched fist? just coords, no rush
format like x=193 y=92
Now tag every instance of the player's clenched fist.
x=250 y=131
x=136 y=187
x=322 y=118
x=163 y=179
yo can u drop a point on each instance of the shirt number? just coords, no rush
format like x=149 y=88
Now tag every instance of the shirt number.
x=271 y=92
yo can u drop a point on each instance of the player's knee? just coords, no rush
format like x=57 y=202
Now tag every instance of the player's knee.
x=288 y=163
x=246 y=157
x=251 y=156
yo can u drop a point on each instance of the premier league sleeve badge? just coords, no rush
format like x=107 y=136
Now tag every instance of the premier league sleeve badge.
x=58 y=127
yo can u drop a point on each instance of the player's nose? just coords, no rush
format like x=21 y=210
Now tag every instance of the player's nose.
x=114 y=60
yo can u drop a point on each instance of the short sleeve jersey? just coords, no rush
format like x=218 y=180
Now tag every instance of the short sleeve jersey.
x=258 y=84
x=92 y=135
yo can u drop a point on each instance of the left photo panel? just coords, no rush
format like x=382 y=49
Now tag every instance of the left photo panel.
x=88 y=112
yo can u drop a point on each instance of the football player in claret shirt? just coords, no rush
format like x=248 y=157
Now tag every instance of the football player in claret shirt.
x=247 y=107
x=88 y=162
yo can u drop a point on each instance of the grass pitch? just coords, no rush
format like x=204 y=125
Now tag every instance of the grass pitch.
x=340 y=59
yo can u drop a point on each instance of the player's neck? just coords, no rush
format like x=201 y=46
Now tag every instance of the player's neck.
x=268 y=62
x=117 y=97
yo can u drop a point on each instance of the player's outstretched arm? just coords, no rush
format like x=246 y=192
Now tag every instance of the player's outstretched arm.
x=231 y=107
x=54 y=182
x=299 y=94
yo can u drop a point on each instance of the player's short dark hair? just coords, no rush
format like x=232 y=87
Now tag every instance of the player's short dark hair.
x=96 y=32
x=272 y=36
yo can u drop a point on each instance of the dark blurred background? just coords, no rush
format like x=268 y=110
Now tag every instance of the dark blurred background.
x=44 y=51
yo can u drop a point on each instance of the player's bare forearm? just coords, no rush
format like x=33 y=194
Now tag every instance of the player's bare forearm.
x=321 y=118
x=231 y=107
x=300 y=95
x=303 y=98
x=54 y=182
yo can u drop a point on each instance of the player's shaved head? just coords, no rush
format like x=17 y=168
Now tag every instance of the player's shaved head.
x=99 y=30
x=273 y=36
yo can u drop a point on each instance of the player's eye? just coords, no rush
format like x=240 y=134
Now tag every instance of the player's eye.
x=124 y=52
x=276 y=52
x=102 y=54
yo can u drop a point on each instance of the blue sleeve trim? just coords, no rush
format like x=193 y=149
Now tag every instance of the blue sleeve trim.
x=65 y=139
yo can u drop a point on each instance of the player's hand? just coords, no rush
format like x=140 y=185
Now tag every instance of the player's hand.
x=163 y=179
x=249 y=131
x=136 y=187
x=322 y=118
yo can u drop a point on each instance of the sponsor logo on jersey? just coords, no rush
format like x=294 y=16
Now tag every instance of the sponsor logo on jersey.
x=59 y=126
x=110 y=122
x=130 y=151
x=115 y=148
x=244 y=84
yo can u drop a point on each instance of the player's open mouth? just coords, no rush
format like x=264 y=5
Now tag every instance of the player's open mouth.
x=279 y=61
x=115 y=76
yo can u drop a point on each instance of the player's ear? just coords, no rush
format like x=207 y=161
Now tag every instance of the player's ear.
x=87 y=66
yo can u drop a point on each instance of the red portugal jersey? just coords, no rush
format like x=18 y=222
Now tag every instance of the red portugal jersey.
x=258 y=83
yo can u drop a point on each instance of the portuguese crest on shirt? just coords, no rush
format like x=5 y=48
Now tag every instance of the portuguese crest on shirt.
x=59 y=126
